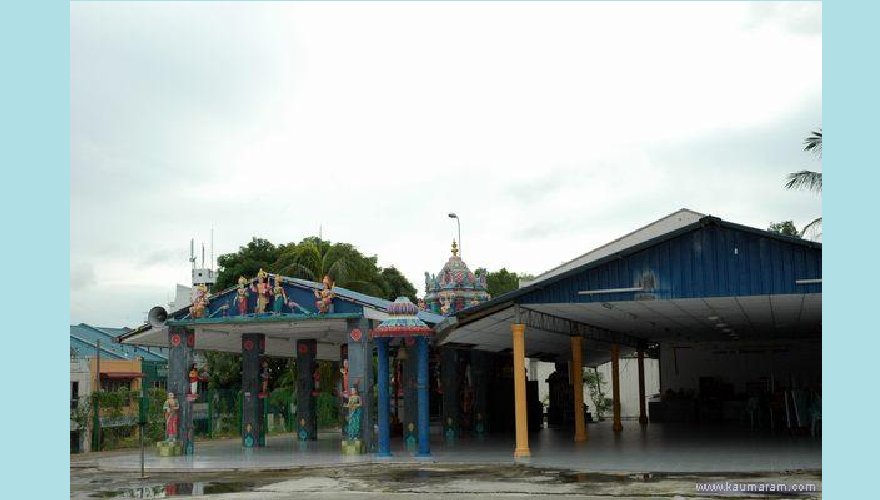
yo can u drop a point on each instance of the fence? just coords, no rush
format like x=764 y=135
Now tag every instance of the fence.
x=111 y=420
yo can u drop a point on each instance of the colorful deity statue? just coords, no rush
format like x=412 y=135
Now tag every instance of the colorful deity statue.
x=200 y=302
x=280 y=296
x=325 y=296
x=171 y=407
x=261 y=288
x=241 y=296
x=264 y=375
x=193 y=382
x=353 y=427
x=344 y=372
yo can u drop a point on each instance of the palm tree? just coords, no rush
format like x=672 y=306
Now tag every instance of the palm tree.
x=807 y=179
x=314 y=258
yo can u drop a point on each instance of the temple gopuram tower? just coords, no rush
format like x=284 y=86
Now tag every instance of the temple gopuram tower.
x=463 y=375
x=455 y=288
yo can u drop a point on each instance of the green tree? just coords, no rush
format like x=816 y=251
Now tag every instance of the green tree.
x=786 y=228
x=314 y=258
x=396 y=285
x=256 y=255
x=501 y=281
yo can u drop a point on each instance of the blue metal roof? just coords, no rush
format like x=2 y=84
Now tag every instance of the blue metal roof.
x=85 y=337
x=85 y=349
x=710 y=258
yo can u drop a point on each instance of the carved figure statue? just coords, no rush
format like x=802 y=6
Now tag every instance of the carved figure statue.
x=264 y=374
x=241 y=296
x=200 y=302
x=325 y=296
x=344 y=372
x=280 y=296
x=171 y=408
x=261 y=288
x=353 y=427
x=193 y=380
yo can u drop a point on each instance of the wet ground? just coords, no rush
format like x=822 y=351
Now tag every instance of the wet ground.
x=419 y=482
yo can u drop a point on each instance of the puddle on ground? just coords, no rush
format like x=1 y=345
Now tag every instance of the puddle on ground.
x=175 y=489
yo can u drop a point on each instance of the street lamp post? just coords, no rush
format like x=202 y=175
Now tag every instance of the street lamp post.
x=458 y=221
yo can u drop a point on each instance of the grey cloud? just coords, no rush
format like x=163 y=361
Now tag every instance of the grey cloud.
x=82 y=276
x=803 y=18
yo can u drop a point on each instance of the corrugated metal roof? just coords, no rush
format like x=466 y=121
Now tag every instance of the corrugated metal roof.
x=86 y=337
x=539 y=291
x=85 y=349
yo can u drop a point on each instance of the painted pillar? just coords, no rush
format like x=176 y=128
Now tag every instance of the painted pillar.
x=306 y=368
x=360 y=374
x=424 y=394
x=519 y=391
x=410 y=395
x=180 y=357
x=384 y=442
x=577 y=384
x=253 y=346
x=615 y=385
x=643 y=417
x=480 y=370
x=449 y=376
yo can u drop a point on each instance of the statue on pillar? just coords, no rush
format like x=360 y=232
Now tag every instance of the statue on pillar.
x=171 y=408
x=193 y=383
x=353 y=426
x=344 y=372
x=241 y=296
x=264 y=375
x=261 y=288
x=280 y=296
x=325 y=296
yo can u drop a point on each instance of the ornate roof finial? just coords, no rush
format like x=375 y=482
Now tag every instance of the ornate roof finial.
x=454 y=248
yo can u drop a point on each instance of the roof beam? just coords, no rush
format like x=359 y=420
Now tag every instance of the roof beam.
x=564 y=326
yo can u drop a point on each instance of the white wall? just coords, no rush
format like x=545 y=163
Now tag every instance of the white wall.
x=79 y=372
x=629 y=386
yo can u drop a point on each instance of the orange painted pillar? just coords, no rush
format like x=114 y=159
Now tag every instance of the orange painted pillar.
x=577 y=384
x=519 y=391
x=643 y=417
x=615 y=381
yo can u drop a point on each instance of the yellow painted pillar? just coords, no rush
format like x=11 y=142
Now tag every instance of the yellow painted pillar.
x=615 y=381
x=643 y=417
x=577 y=383
x=519 y=391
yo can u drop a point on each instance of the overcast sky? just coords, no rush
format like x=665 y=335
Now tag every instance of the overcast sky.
x=549 y=128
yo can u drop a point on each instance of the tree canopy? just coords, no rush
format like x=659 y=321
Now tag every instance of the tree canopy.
x=502 y=281
x=786 y=228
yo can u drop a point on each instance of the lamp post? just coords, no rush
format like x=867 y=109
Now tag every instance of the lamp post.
x=458 y=221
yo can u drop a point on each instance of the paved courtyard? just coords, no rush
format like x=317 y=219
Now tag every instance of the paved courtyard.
x=660 y=448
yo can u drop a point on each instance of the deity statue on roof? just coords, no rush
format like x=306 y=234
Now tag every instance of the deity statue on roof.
x=280 y=296
x=200 y=302
x=325 y=296
x=455 y=286
x=261 y=288
x=241 y=296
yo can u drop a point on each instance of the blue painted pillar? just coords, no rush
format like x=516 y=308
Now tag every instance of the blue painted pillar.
x=306 y=417
x=422 y=381
x=180 y=357
x=360 y=374
x=384 y=448
x=253 y=434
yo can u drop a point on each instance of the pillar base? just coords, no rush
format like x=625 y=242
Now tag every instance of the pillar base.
x=522 y=453
x=618 y=427
x=384 y=454
x=580 y=439
x=169 y=449
x=352 y=447
x=643 y=421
